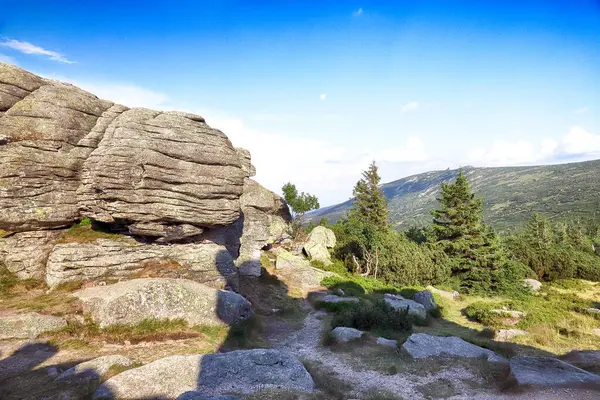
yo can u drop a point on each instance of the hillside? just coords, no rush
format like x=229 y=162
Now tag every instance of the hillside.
x=510 y=194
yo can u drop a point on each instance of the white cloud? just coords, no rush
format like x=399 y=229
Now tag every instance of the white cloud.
x=29 y=48
x=412 y=106
x=576 y=144
x=6 y=59
x=412 y=151
x=323 y=96
x=358 y=12
x=581 y=110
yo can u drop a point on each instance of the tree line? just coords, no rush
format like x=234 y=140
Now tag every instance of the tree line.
x=457 y=249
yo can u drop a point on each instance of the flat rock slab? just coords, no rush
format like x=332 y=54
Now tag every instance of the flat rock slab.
x=201 y=396
x=241 y=371
x=342 y=334
x=332 y=298
x=454 y=295
x=507 y=334
x=94 y=369
x=421 y=345
x=28 y=326
x=414 y=309
x=131 y=302
x=541 y=372
x=586 y=359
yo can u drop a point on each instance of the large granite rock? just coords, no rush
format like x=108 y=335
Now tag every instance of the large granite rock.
x=43 y=123
x=399 y=303
x=542 y=372
x=131 y=302
x=26 y=253
x=167 y=167
x=422 y=345
x=242 y=371
x=319 y=240
x=425 y=298
x=296 y=272
x=246 y=161
x=28 y=326
x=585 y=359
x=94 y=369
x=126 y=258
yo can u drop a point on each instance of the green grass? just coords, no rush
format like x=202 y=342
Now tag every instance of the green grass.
x=84 y=232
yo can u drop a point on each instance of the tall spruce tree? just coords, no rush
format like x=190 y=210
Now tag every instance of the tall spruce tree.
x=472 y=246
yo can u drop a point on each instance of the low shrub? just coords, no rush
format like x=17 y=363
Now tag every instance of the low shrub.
x=373 y=316
x=480 y=311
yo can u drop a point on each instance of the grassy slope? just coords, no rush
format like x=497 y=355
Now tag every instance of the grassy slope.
x=510 y=194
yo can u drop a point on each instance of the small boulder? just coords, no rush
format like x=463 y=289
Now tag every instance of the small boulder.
x=201 y=396
x=543 y=372
x=332 y=298
x=94 y=369
x=533 y=284
x=323 y=235
x=507 y=334
x=342 y=334
x=593 y=310
x=422 y=345
x=508 y=313
x=585 y=359
x=285 y=259
x=387 y=342
x=425 y=298
x=28 y=326
x=319 y=240
x=414 y=309
x=241 y=371
x=454 y=295
x=131 y=302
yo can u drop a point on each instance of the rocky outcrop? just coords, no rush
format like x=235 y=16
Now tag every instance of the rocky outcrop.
x=126 y=258
x=585 y=359
x=161 y=167
x=131 y=302
x=421 y=345
x=401 y=304
x=342 y=334
x=319 y=240
x=246 y=161
x=297 y=272
x=28 y=326
x=542 y=372
x=242 y=371
x=94 y=369
x=43 y=123
x=26 y=253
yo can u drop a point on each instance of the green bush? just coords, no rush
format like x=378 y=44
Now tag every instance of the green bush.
x=369 y=316
x=480 y=311
x=336 y=266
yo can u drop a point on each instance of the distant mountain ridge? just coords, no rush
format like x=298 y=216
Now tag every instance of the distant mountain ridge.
x=510 y=194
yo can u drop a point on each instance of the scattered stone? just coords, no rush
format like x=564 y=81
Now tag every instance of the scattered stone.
x=131 y=302
x=414 y=309
x=425 y=298
x=319 y=240
x=26 y=253
x=53 y=372
x=507 y=334
x=539 y=372
x=200 y=396
x=454 y=295
x=593 y=310
x=532 y=284
x=241 y=371
x=126 y=258
x=28 y=326
x=585 y=359
x=421 y=345
x=94 y=369
x=387 y=342
x=343 y=334
x=508 y=313
x=332 y=298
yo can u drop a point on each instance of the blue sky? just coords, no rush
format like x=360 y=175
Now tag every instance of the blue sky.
x=316 y=90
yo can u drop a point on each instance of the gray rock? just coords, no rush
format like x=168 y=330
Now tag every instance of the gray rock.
x=540 y=372
x=250 y=265
x=425 y=298
x=414 y=309
x=387 y=342
x=343 y=334
x=166 y=232
x=332 y=298
x=532 y=284
x=296 y=272
x=421 y=345
x=39 y=149
x=585 y=359
x=130 y=302
x=246 y=162
x=126 y=258
x=200 y=396
x=319 y=240
x=153 y=166
x=53 y=372
x=593 y=310
x=94 y=369
x=507 y=334
x=508 y=313
x=29 y=325
x=454 y=295
x=242 y=371
x=26 y=253
x=287 y=260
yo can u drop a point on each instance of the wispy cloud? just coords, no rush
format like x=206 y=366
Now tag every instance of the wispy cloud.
x=358 y=12
x=582 y=110
x=413 y=150
x=7 y=59
x=323 y=96
x=29 y=48
x=412 y=106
